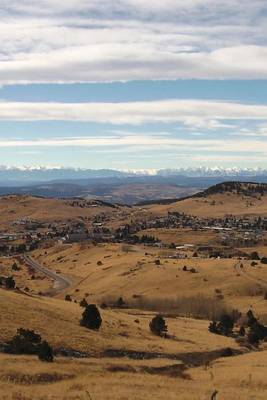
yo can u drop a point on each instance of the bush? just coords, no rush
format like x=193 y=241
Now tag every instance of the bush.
x=264 y=260
x=120 y=303
x=15 y=267
x=91 y=317
x=45 y=352
x=24 y=342
x=257 y=331
x=158 y=326
x=242 y=331
x=10 y=283
x=83 y=303
x=68 y=297
x=226 y=324
x=29 y=342
x=254 y=256
x=222 y=327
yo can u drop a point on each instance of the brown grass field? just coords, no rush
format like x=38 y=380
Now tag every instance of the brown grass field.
x=216 y=205
x=13 y=208
x=124 y=360
x=131 y=273
x=106 y=377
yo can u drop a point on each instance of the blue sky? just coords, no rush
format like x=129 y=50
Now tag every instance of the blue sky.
x=130 y=85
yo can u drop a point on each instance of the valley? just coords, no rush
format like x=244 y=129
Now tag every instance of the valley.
x=192 y=261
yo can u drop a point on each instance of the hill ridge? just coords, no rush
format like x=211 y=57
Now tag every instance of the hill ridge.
x=239 y=187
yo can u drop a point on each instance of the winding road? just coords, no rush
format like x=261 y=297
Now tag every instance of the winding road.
x=60 y=283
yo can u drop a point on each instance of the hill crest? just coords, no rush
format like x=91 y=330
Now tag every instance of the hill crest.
x=244 y=188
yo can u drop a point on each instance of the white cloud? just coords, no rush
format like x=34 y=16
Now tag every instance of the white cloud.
x=79 y=41
x=195 y=113
x=145 y=144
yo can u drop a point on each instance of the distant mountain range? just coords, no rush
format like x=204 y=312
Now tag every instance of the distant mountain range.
x=19 y=176
x=129 y=187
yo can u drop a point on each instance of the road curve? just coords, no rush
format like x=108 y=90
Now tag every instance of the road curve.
x=60 y=283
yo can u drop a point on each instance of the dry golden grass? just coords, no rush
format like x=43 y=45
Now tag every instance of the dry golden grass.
x=13 y=208
x=241 y=377
x=25 y=277
x=181 y=236
x=24 y=377
x=130 y=271
x=58 y=322
x=127 y=271
x=133 y=274
x=216 y=205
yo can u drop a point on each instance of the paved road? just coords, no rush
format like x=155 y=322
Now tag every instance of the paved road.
x=60 y=283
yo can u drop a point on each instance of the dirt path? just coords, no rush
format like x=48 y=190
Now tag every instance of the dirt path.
x=60 y=283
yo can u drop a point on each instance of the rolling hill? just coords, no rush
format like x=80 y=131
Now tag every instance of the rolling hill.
x=228 y=198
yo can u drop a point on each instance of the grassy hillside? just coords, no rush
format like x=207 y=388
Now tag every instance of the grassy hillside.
x=189 y=363
x=107 y=272
x=219 y=201
x=190 y=346
x=131 y=284
x=14 y=207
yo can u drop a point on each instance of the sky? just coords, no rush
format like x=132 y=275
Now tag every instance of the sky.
x=133 y=84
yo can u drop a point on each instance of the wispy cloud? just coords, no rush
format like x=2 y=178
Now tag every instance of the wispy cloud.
x=146 y=143
x=195 y=113
x=80 y=41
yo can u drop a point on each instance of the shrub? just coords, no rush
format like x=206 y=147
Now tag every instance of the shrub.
x=91 y=317
x=15 y=267
x=158 y=326
x=254 y=256
x=10 y=283
x=45 y=352
x=28 y=342
x=226 y=325
x=120 y=302
x=83 y=303
x=24 y=342
x=242 y=331
x=68 y=297
x=257 y=331
x=222 y=327
x=264 y=260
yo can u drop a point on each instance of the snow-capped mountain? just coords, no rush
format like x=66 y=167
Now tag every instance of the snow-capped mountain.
x=27 y=175
x=126 y=186
x=68 y=172
x=213 y=171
